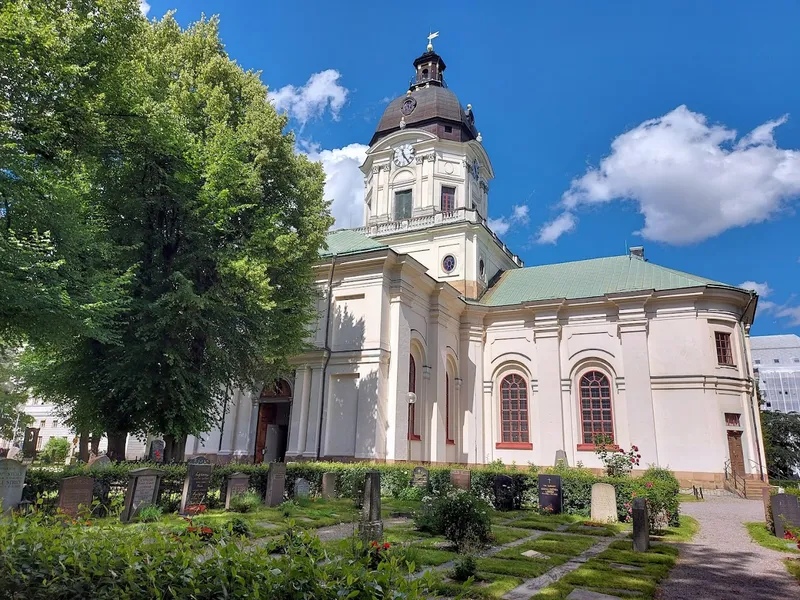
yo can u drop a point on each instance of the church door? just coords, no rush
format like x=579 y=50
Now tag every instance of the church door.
x=735 y=452
x=272 y=428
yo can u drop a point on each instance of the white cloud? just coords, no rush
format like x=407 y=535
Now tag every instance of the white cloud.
x=789 y=312
x=518 y=216
x=144 y=6
x=762 y=289
x=320 y=93
x=550 y=232
x=344 y=181
x=689 y=179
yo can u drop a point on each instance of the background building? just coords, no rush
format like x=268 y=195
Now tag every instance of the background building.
x=776 y=362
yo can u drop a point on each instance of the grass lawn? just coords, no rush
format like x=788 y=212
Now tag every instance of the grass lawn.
x=688 y=498
x=683 y=533
x=763 y=537
x=793 y=566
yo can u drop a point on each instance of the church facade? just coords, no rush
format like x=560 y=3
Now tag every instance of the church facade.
x=436 y=344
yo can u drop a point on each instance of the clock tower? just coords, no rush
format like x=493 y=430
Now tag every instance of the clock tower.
x=426 y=180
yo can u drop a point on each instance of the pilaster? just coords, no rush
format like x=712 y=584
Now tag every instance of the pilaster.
x=546 y=410
x=314 y=413
x=298 y=428
x=400 y=350
x=471 y=369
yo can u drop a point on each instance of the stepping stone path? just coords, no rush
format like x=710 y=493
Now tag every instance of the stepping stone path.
x=535 y=554
x=581 y=594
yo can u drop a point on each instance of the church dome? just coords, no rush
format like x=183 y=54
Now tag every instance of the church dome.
x=428 y=105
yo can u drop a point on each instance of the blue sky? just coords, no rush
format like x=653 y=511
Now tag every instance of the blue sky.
x=690 y=111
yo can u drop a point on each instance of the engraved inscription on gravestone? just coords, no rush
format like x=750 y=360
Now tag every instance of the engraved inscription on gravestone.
x=195 y=486
x=460 y=478
x=604 y=503
x=302 y=488
x=503 y=492
x=238 y=483
x=12 y=480
x=420 y=477
x=785 y=513
x=75 y=494
x=550 y=496
x=142 y=491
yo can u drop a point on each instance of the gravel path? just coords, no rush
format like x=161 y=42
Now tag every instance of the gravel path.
x=723 y=563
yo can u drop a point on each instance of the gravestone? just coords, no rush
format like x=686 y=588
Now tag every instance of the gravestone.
x=785 y=513
x=156 y=453
x=276 y=483
x=641 y=526
x=142 y=491
x=75 y=493
x=460 y=478
x=503 y=487
x=550 y=493
x=604 y=503
x=195 y=486
x=12 y=480
x=199 y=460
x=561 y=459
x=420 y=478
x=238 y=483
x=302 y=488
x=99 y=462
x=371 y=525
x=29 y=442
x=328 y=486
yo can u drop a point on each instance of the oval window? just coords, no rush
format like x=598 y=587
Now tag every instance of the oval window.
x=449 y=263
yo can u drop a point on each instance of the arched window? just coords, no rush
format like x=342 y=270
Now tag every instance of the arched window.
x=514 y=410
x=447 y=391
x=412 y=408
x=596 y=418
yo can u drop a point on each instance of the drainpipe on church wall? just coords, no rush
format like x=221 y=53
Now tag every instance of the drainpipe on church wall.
x=327 y=356
x=754 y=414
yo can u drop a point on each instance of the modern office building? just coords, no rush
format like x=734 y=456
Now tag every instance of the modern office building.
x=776 y=362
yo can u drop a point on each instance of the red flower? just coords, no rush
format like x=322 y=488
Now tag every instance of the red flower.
x=386 y=546
x=635 y=448
x=648 y=485
x=206 y=530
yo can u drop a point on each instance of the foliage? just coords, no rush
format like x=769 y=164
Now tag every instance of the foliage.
x=239 y=527
x=765 y=537
x=12 y=399
x=246 y=502
x=55 y=450
x=458 y=515
x=781 y=443
x=616 y=461
x=464 y=567
x=149 y=514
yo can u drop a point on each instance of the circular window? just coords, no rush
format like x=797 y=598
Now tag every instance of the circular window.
x=482 y=268
x=449 y=263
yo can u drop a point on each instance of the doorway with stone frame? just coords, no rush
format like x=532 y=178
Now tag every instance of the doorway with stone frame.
x=272 y=429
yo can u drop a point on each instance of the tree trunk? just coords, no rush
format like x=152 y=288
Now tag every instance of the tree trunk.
x=116 y=445
x=174 y=448
x=83 y=447
x=95 y=443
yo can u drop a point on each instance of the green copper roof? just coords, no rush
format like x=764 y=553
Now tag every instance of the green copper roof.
x=347 y=241
x=587 y=279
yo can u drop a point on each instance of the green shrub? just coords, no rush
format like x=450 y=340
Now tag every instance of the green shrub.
x=55 y=450
x=465 y=567
x=460 y=516
x=246 y=502
x=149 y=514
x=239 y=527
x=412 y=493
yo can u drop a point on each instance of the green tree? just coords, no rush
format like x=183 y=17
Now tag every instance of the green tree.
x=55 y=450
x=781 y=443
x=215 y=222
x=13 y=397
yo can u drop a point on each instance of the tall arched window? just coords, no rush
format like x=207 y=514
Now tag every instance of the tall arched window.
x=447 y=391
x=412 y=408
x=514 y=431
x=596 y=418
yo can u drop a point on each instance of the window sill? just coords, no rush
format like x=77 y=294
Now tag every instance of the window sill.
x=413 y=438
x=514 y=446
x=450 y=442
x=726 y=366
x=593 y=447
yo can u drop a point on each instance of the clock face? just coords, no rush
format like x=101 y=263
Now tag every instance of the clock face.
x=403 y=155
x=476 y=169
x=409 y=104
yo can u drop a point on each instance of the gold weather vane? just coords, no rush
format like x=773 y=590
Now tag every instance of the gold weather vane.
x=430 y=40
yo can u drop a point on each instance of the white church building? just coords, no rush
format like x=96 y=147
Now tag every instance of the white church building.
x=436 y=344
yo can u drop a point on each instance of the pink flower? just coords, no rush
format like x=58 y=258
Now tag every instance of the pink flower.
x=635 y=448
x=648 y=485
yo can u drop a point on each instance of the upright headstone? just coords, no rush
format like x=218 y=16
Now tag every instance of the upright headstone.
x=420 y=478
x=29 y=442
x=276 y=483
x=142 y=491
x=100 y=462
x=14 y=452
x=550 y=493
x=641 y=526
x=302 y=488
x=196 y=484
x=75 y=494
x=561 y=459
x=785 y=513
x=371 y=525
x=460 y=478
x=199 y=460
x=238 y=483
x=329 y=486
x=503 y=487
x=604 y=503
x=12 y=480
x=156 y=454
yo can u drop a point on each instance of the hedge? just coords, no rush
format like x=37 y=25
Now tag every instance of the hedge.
x=395 y=482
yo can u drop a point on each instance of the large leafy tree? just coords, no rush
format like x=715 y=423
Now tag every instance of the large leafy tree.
x=217 y=222
x=781 y=443
x=13 y=396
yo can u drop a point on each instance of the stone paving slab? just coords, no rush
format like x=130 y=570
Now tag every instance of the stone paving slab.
x=581 y=594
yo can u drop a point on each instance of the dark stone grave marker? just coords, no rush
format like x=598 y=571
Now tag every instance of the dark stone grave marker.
x=156 y=454
x=550 y=493
x=460 y=478
x=371 y=525
x=238 y=483
x=276 y=483
x=29 y=442
x=641 y=525
x=75 y=493
x=420 y=478
x=503 y=487
x=142 y=491
x=195 y=486
x=785 y=513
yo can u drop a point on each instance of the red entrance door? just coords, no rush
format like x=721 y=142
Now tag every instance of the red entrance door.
x=267 y=414
x=735 y=451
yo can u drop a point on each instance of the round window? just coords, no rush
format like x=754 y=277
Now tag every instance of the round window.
x=482 y=268
x=449 y=263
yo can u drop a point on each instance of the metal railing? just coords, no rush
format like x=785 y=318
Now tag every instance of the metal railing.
x=735 y=481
